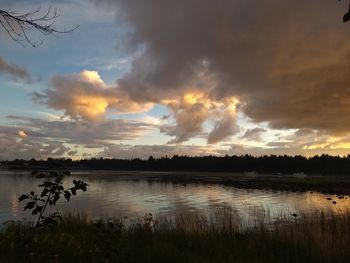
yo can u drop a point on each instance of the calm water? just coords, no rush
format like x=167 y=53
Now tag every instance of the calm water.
x=119 y=194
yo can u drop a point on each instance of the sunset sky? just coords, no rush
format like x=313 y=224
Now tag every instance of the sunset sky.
x=164 y=77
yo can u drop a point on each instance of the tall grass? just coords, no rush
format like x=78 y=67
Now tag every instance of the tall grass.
x=316 y=237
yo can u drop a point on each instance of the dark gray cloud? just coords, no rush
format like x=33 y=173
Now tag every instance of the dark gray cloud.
x=223 y=128
x=287 y=62
x=14 y=71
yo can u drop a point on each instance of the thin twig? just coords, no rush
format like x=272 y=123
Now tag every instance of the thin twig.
x=18 y=26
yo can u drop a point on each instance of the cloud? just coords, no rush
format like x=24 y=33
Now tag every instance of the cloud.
x=224 y=128
x=282 y=64
x=81 y=132
x=287 y=63
x=253 y=134
x=301 y=142
x=39 y=138
x=15 y=145
x=125 y=151
x=193 y=109
x=85 y=96
x=14 y=71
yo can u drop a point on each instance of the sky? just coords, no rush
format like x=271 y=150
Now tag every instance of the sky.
x=187 y=77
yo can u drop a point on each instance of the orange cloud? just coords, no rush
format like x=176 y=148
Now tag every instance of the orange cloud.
x=86 y=96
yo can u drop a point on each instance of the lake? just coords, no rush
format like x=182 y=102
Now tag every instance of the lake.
x=134 y=194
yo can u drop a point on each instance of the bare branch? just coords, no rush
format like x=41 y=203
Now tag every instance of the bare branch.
x=17 y=26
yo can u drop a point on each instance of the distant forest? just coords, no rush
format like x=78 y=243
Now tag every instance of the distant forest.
x=323 y=164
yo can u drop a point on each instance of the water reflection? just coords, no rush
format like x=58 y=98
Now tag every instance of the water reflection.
x=116 y=195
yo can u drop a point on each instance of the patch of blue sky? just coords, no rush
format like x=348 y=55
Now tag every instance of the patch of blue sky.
x=90 y=47
x=95 y=40
x=13 y=100
x=158 y=111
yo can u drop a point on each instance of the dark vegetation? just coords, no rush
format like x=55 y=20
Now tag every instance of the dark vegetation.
x=327 y=174
x=317 y=238
x=52 y=191
x=224 y=237
x=320 y=165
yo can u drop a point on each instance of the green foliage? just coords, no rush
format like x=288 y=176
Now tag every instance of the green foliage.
x=52 y=191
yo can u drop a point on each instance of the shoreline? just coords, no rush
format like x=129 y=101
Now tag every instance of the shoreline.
x=327 y=184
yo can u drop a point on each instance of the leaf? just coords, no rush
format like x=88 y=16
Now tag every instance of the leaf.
x=67 y=195
x=29 y=205
x=74 y=191
x=23 y=197
x=44 y=192
x=55 y=198
x=37 y=210
x=58 y=179
x=45 y=184
x=84 y=187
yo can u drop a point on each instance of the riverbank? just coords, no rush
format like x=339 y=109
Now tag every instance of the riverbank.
x=327 y=184
x=298 y=238
x=271 y=164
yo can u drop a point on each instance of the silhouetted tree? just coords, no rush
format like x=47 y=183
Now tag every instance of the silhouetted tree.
x=282 y=164
x=18 y=25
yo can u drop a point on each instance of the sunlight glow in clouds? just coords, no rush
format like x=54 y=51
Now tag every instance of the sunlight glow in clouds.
x=21 y=135
x=192 y=76
x=193 y=109
x=86 y=96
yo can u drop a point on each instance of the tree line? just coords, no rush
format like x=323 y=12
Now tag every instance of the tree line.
x=275 y=164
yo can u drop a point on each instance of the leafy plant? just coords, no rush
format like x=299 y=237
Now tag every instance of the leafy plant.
x=52 y=191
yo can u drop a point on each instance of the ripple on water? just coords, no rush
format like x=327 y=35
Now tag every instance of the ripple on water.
x=111 y=195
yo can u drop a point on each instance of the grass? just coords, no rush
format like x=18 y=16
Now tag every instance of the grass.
x=319 y=237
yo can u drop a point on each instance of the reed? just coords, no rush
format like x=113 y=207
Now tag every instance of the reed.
x=225 y=237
